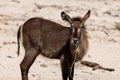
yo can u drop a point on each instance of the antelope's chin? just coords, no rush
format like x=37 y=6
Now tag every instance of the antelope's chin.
x=75 y=45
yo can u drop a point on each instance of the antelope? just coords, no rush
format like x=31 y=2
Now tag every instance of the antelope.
x=55 y=41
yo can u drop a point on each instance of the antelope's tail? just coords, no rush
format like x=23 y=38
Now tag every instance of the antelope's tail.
x=18 y=40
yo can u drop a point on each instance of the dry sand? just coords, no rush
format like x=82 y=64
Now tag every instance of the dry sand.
x=103 y=29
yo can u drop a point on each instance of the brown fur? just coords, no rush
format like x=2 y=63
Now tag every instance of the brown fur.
x=41 y=36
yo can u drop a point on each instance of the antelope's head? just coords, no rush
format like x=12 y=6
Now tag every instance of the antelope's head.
x=77 y=26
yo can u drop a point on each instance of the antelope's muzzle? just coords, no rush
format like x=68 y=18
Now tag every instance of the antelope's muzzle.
x=76 y=41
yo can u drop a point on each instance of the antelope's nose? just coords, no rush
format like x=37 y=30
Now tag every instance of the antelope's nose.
x=75 y=40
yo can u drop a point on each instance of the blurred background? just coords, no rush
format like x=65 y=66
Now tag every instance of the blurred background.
x=103 y=29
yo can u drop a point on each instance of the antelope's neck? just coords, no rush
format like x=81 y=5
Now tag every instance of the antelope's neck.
x=74 y=51
x=78 y=52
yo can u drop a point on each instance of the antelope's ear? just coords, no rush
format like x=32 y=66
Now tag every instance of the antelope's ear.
x=86 y=16
x=66 y=17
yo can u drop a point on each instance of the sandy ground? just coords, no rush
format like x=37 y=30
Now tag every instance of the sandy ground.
x=103 y=29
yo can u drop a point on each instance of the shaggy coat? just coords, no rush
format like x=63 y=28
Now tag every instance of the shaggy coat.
x=41 y=36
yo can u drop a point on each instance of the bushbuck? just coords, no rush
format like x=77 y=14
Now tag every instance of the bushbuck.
x=53 y=40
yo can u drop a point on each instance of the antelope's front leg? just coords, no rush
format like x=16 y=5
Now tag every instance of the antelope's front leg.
x=64 y=67
x=71 y=70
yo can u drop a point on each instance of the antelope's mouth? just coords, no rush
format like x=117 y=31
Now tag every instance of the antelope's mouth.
x=76 y=45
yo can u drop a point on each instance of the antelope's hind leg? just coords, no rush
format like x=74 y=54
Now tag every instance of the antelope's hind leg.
x=30 y=56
